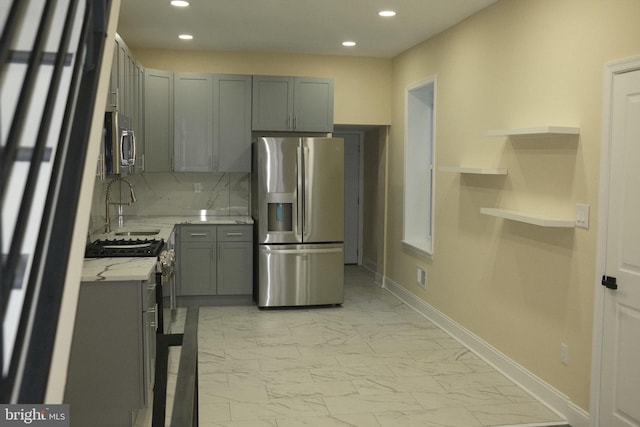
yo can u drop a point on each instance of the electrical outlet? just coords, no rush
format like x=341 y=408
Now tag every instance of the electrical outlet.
x=582 y=215
x=421 y=277
x=564 y=353
x=197 y=187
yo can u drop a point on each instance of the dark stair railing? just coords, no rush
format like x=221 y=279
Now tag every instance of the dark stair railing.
x=185 y=403
x=36 y=269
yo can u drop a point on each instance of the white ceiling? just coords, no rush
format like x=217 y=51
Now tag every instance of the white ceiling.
x=291 y=26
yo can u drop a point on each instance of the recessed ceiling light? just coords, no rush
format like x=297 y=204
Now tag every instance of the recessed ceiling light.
x=387 y=13
x=348 y=44
x=179 y=3
x=185 y=37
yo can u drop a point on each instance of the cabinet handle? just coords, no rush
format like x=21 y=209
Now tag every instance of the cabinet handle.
x=115 y=98
x=232 y=234
x=198 y=234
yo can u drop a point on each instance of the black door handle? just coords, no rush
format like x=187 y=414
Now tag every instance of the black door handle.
x=610 y=282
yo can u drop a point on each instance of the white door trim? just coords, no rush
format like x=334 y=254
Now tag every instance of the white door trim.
x=611 y=69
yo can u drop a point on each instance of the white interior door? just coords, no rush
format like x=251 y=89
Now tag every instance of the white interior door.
x=620 y=369
x=351 y=196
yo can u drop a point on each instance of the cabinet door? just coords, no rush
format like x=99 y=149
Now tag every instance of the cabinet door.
x=158 y=121
x=112 y=98
x=129 y=86
x=197 y=268
x=232 y=123
x=313 y=104
x=272 y=103
x=139 y=116
x=122 y=73
x=193 y=116
x=108 y=348
x=235 y=268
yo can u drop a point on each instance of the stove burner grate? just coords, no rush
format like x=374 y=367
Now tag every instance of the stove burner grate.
x=112 y=248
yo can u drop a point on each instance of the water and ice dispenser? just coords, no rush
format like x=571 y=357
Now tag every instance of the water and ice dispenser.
x=280 y=217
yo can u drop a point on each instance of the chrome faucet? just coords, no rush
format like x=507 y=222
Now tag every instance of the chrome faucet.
x=107 y=202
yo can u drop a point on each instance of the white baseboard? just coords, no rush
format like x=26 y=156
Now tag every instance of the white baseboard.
x=372 y=266
x=547 y=394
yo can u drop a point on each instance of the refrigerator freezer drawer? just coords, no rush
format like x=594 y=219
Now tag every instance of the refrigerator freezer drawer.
x=300 y=275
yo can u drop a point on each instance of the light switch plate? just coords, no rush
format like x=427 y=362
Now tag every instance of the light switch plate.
x=582 y=215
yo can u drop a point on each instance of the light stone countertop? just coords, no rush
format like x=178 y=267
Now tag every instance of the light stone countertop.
x=140 y=268
x=118 y=269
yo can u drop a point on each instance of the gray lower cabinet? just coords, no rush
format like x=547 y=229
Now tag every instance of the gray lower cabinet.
x=112 y=360
x=235 y=260
x=215 y=260
x=196 y=257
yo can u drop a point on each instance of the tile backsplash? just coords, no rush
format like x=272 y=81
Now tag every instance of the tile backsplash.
x=174 y=194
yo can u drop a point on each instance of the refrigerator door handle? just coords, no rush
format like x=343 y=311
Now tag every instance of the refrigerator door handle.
x=306 y=191
x=300 y=194
x=302 y=251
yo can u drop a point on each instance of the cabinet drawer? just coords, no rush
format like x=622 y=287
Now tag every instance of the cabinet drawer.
x=197 y=233
x=235 y=233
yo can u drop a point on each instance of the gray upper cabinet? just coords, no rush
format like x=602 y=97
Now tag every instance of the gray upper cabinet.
x=112 y=98
x=298 y=104
x=158 y=109
x=272 y=103
x=193 y=124
x=126 y=91
x=232 y=122
x=212 y=122
x=313 y=104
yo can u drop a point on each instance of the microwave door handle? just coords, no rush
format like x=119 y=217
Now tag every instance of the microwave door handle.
x=123 y=161
x=133 y=148
x=113 y=144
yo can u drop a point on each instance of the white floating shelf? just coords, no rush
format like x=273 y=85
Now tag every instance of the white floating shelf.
x=476 y=171
x=539 y=130
x=540 y=220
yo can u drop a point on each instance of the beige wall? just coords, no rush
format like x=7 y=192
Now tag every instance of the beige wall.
x=523 y=289
x=362 y=85
x=374 y=143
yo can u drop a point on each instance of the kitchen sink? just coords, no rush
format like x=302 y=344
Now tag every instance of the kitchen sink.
x=150 y=232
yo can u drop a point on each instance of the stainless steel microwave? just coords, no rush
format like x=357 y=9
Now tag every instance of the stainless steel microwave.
x=119 y=144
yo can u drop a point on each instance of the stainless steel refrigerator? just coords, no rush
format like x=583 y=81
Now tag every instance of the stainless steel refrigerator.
x=298 y=208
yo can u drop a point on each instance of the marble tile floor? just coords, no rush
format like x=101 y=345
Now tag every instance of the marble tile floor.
x=372 y=362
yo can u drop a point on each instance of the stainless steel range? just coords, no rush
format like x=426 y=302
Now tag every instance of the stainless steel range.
x=111 y=248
